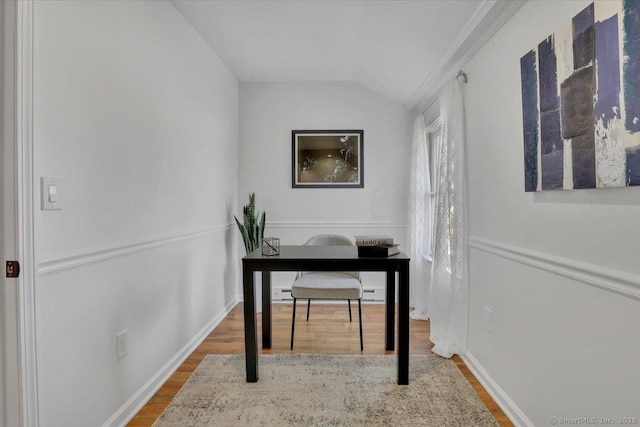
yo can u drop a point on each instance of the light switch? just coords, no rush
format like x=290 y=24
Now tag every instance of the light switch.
x=51 y=193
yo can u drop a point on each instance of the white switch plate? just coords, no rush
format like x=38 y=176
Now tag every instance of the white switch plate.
x=51 y=193
x=488 y=320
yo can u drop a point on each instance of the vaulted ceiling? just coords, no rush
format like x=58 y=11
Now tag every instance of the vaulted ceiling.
x=402 y=49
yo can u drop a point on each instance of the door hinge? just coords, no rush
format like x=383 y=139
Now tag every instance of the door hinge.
x=12 y=269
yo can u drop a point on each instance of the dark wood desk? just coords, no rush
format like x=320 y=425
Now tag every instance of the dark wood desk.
x=324 y=258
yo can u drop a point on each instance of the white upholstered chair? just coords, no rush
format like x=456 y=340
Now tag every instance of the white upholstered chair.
x=327 y=285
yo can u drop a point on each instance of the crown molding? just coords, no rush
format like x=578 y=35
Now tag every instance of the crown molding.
x=490 y=16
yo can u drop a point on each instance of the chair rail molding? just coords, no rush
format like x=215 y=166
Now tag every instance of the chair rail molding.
x=94 y=255
x=334 y=224
x=626 y=284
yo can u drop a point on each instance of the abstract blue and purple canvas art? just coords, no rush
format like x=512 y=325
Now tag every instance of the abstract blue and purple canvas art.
x=581 y=101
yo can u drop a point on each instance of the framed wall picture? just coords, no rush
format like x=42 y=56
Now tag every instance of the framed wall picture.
x=580 y=103
x=327 y=158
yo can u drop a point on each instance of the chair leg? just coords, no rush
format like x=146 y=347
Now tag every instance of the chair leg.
x=360 y=316
x=293 y=322
x=349 y=301
x=308 y=308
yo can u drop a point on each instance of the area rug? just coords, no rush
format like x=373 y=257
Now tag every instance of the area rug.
x=324 y=390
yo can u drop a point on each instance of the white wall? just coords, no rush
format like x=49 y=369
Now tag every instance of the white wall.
x=559 y=269
x=138 y=116
x=268 y=114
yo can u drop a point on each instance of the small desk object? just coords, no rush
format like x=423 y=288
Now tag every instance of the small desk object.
x=324 y=258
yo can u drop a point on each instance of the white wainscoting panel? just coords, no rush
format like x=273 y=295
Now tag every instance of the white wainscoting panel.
x=146 y=392
x=509 y=407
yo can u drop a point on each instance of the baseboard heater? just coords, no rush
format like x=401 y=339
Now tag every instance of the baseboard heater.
x=371 y=291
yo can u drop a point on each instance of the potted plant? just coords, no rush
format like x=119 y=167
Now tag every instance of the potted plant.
x=251 y=229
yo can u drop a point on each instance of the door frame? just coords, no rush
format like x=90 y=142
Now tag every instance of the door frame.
x=3 y=194
x=19 y=379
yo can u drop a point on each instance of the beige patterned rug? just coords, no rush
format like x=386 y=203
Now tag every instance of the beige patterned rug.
x=324 y=390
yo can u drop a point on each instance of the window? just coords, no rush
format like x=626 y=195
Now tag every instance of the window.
x=433 y=138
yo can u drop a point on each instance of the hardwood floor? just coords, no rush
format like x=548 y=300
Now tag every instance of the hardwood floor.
x=328 y=331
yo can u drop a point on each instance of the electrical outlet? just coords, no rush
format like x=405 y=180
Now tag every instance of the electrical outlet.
x=122 y=341
x=488 y=320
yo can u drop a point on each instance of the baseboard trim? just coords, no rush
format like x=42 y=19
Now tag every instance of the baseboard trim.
x=132 y=406
x=74 y=260
x=621 y=283
x=503 y=400
x=333 y=225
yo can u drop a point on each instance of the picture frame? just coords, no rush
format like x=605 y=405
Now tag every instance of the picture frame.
x=327 y=159
x=580 y=109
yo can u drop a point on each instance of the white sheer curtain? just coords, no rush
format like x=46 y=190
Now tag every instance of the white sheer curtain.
x=449 y=290
x=419 y=190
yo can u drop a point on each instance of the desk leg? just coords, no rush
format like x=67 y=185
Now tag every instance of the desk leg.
x=403 y=324
x=266 y=309
x=250 y=326
x=390 y=308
